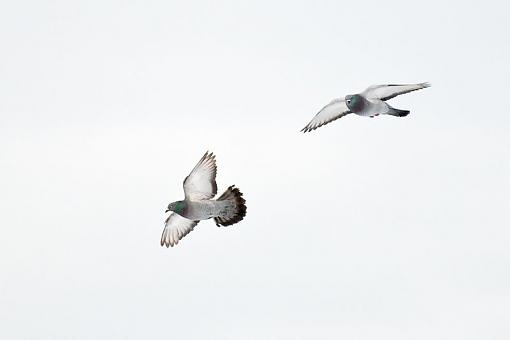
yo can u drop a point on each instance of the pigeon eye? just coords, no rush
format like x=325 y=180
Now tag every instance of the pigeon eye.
x=349 y=101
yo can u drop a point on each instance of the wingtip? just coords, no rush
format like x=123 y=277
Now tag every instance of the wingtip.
x=426 y=84
x=208 y=154
x=306 y=129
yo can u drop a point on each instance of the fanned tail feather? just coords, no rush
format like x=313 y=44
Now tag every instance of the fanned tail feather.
x=233 y=212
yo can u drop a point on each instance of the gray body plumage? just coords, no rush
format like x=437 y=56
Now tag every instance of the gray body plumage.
x=206 y=209
x=368 y=107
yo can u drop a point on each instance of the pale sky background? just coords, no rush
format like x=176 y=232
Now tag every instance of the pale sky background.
x=386 y=228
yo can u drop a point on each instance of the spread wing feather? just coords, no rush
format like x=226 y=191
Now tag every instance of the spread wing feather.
x=201 y=182
x=385 y=92
x=176 y=227
x=334 y=110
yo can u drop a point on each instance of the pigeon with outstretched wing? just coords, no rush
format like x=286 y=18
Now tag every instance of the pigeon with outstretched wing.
x=198 y=204
x=370 y=103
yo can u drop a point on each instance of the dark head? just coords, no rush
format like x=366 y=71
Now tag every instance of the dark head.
x=177 y=207
x=354 y=102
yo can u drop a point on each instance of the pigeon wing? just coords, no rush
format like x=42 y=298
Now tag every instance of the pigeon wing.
x=334 y=110
x=385 y=92
x=201 y=182
x=176 y=227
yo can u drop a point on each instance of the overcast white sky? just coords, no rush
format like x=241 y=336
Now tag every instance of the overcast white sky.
x=387 y=228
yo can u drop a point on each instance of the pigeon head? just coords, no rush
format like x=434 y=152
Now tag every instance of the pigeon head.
x=354 y=102
x=176 y=207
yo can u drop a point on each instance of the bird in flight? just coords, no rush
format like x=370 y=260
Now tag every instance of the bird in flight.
x=198 y=204
x=369 y=103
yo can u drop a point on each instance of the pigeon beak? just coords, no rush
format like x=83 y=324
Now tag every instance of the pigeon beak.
x=167 y=210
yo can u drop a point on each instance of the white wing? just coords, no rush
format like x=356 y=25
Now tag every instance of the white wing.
x=176 y=227
x=201 y=182
x=385 y=92
x=334 y=110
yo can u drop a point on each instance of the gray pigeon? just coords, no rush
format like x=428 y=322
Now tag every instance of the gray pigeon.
x=199 y=189
x=370 y=103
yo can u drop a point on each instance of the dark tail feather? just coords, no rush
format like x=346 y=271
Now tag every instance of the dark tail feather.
x=398 y=113
x=233 y=212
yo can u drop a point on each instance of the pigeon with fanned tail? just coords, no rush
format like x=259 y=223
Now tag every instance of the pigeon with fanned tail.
x=369 y=103
x=198 y=204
